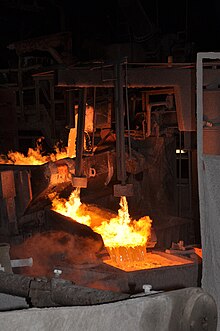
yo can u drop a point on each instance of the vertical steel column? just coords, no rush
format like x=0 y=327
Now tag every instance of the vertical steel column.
x=37 y=98
x=52 y=108
x=190 y=182
x=70 y=108
x=116 y=104
x=127 y=108
x=80 y=131
x=94 y=119
x=207 y=167
x=200 y=114
x=119 y=125
x=180 y=176
x=20 y=87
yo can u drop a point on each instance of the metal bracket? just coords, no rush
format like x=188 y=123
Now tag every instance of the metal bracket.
x=123 y=190
x=22 y=263
x=79 y=181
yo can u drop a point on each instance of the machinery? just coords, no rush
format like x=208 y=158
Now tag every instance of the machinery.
x=143 y=140
x=142 y=147
x=141 y=144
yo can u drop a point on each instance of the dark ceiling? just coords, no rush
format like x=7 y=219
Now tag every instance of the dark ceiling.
x=114 y=21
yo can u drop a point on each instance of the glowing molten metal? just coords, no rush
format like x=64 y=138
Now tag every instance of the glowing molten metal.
x=122 y=231
x=125 y=239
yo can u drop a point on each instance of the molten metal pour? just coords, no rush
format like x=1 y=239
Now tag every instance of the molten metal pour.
x=125 y=239
x=122 y=235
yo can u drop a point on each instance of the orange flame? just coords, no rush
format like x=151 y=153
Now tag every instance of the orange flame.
x=122 y=231
x=33 y=157
x=125 y=239
x=70 y=207
x=116 y=232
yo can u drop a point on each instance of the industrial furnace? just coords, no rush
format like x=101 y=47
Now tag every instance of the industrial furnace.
x=131 y=151
x=121 y=186
x=110 y=213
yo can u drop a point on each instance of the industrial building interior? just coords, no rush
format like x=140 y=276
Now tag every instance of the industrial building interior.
x=109 y=146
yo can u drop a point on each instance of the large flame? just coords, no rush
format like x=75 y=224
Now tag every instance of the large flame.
x=125 y=239
x=33 y=157
x=123 y=231
x=118 y=231
x=70 y=207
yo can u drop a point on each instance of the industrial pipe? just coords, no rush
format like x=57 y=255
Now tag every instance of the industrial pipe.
x=42 y=292
x=80 y=131
x=78 y=180
x=148 y=113
x=189 y=309
x=119 y=125
x=122 y=189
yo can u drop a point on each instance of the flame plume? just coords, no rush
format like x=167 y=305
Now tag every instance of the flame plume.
x=125 y=239
x=70 y=207
x=33 y=157
x=122 y=231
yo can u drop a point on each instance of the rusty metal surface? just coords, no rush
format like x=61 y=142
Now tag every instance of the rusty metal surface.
x=79 y=252
x=56 y=221
x=8 y=119
x=7 y=185
x=38 y=181
x=62 y=241
x=43 y=292
x=211 y=118
x=79 y=182
x=107 y=277
x=180 y=78
x=8 y=219
x=69 y=294
x=14 y=284
x=42 y=43
x=123 y=190
x=99 y=276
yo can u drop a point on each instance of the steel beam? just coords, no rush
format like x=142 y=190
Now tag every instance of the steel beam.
x=180 y=78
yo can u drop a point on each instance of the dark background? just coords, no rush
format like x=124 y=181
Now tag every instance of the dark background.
x=105 y=22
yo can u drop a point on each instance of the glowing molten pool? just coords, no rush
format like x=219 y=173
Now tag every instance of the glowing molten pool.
x=125 y=239
x=117 y=231
x=136 y=258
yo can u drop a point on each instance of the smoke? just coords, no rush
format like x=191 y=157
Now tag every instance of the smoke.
x=56 y=249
